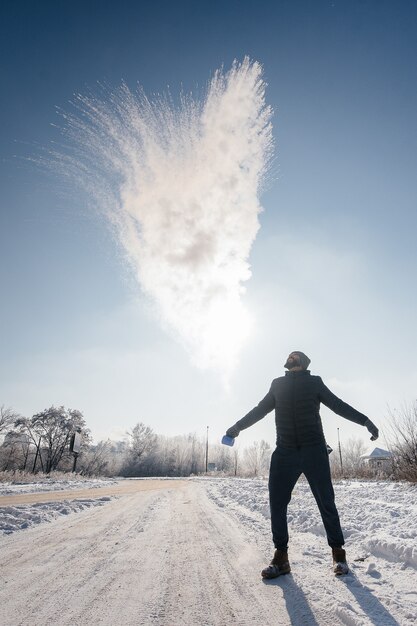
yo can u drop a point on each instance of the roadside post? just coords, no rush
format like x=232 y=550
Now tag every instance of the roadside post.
x=207 y=450
x=75 y=446
x=340 y=453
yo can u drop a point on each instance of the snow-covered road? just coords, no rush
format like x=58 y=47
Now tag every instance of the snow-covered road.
x=190 y=554
x=155 y=557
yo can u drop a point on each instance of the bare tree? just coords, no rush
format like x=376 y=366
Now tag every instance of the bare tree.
x=189 y=455
x=141 y=457
x=352 y=452
x=166 y=456
x=7 y=419
x=143 y=440
x=50 y=431
x=195 y=447
x=14 y=452
x=96 y=460
x=256 y=458
x=223 y=457
x=402 y=435
x=106 y=458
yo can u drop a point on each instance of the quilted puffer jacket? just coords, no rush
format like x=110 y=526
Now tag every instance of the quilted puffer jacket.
x=296 y=398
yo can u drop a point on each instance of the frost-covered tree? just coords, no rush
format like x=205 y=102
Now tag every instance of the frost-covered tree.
x=14 y=451
x=223 y=457
x=166 y=457
x=402 y=437
x=51 y=432
x=7 y=419
x=106 y=458
x=10 y=442
x=256 y=458
x=142 y=446
x=352 y=452
x=143 y=440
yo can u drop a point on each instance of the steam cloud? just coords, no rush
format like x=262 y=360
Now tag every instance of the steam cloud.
x=180 y=185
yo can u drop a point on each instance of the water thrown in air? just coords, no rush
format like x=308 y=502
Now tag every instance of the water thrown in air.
x=180 y=183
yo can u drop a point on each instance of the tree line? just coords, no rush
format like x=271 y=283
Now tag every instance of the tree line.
x=42 y=444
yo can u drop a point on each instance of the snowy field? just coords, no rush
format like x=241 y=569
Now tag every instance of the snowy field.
x=379 y=520
x=189 y=552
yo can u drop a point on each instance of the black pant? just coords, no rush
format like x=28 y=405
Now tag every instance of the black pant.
x=287 y=465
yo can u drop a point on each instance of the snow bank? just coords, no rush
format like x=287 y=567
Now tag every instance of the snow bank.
x=10 y=488
x=20 y=517
x=378 y=518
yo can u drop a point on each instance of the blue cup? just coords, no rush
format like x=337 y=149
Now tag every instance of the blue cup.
x=228 y=441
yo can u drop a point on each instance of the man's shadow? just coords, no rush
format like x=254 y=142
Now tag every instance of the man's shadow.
x=370 y=605
x=301 y=614
x=297 y=606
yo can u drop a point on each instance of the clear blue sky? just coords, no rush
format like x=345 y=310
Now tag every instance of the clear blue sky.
x=333 y=266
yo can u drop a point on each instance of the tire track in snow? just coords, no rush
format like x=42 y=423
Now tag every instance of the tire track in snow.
x=165 y=558
x=83 y=570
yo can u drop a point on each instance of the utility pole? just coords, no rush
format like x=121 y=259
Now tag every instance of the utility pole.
x=207 y=449
x=340 y=452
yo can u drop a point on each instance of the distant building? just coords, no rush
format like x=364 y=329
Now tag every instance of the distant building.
x=379 y=460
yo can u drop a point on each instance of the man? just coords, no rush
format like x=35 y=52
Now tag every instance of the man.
x=301 y=449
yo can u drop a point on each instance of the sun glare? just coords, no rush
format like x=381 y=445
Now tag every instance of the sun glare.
x=228 y=326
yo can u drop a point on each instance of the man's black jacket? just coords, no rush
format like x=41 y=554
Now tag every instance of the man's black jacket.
x=296 y=398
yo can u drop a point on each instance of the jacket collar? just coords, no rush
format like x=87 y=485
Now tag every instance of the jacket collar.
x=299 y=373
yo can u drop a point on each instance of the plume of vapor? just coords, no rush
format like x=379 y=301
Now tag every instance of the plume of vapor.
x=180 y=183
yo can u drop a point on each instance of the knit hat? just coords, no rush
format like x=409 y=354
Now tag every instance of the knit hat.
x=304 y=360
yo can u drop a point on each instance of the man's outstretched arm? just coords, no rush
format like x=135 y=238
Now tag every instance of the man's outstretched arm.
x=257 y=413
x=343 y=409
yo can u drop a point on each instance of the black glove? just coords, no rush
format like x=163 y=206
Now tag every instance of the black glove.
x=232 y=432
x=372 y=429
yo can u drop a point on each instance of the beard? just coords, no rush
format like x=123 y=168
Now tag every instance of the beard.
x=292 y=362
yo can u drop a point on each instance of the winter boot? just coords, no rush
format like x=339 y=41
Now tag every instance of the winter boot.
x=340 y=566
x=279 y=565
